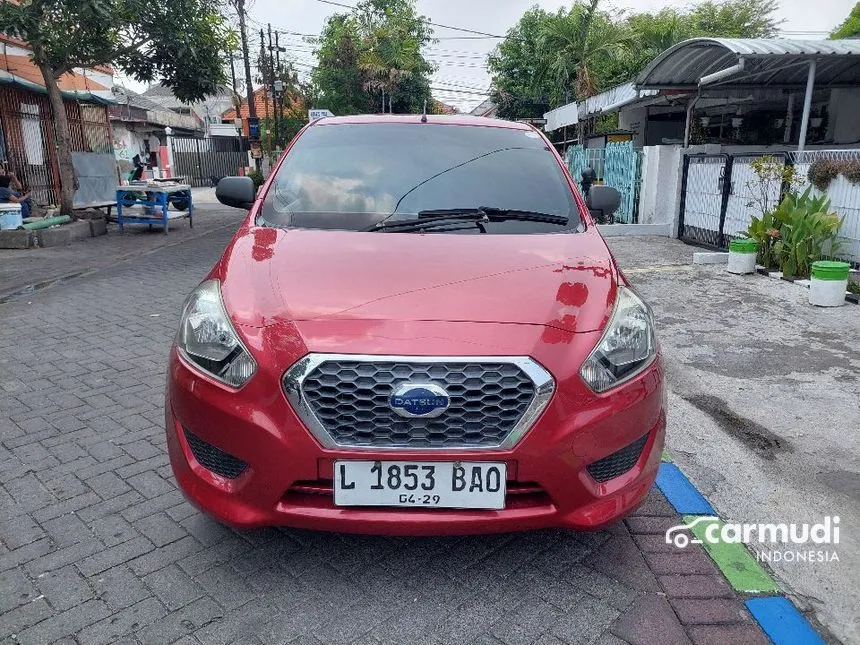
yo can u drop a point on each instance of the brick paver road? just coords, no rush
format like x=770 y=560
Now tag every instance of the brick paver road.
x=97 y=545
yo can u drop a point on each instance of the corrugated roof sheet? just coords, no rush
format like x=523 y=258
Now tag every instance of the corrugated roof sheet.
x=769 y=61
x=608 y=101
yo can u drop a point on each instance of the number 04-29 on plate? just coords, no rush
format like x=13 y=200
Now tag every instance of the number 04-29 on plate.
x=417 y=484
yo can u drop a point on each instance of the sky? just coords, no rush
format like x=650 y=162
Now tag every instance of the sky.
x=462 y=78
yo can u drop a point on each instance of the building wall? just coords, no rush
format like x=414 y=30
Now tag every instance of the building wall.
x=634 y=120
x=844 y=124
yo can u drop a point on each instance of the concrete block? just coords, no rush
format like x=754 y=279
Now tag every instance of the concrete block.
x=55 y=236
x=710 y=258
x=79 y=230
x=16 y=239
x=98 y=226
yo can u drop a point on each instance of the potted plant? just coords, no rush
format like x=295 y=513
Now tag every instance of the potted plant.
x=828 y=284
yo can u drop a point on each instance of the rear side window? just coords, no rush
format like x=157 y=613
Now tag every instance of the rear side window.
x=351 y=176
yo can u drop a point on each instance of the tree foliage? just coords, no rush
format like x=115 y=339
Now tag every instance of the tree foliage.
x=518 y=90
x=735 y=19
x=850 y=27
x=548 y=59
x=375 y=49
x=182 y=42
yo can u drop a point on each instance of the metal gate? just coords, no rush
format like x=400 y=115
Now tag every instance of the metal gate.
x=616 y=165
x=203 y=161
x=27 y=145
x=621 y=171
x=719 y=194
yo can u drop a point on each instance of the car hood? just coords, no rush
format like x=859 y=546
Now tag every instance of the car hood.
x=272 y=275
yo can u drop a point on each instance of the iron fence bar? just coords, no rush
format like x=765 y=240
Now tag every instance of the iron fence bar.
x=683 y=205
x=724 y=204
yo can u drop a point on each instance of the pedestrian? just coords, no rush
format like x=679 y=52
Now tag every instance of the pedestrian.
x=8 y=195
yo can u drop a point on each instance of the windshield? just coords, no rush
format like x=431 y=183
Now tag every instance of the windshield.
x=353 y=176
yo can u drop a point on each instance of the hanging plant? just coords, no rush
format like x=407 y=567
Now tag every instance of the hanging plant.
x=822 y=172
x=851 y=170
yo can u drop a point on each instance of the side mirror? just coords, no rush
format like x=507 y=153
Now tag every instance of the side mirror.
x=238 y=192
x=603 y=199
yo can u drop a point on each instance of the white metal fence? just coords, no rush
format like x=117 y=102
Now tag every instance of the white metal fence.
x=843 y=195
x=718 y=192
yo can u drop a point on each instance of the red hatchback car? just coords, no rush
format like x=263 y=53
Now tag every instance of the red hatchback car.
x=417 y=330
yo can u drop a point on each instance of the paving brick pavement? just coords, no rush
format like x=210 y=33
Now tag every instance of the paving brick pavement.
x=98 y=546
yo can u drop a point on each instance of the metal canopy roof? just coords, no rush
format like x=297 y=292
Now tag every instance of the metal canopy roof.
x=768 y=61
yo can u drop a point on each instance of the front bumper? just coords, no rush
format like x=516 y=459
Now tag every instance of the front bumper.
x=288 y=475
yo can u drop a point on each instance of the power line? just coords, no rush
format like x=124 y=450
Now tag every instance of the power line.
x=444 y=90
x=435 y=24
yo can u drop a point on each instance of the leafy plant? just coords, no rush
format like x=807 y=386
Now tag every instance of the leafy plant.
x=257 y=177
x=808 y=231
x=765 y=231
x=821 y=172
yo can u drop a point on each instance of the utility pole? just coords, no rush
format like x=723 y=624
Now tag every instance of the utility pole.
x=237 y=99
x=278 y=87
x=249 y=85
x=264 y=72
x=272 y=88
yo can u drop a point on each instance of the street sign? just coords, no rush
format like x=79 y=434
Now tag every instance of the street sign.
x=254 y=129
x=313 y=115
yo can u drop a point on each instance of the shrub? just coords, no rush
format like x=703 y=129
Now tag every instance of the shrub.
x=257 y=177
x=851 y=170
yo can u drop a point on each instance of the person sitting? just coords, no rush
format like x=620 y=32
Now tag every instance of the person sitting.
x=7 y=195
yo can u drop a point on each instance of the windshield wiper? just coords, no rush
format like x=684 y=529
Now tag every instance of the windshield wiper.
x=481 y=215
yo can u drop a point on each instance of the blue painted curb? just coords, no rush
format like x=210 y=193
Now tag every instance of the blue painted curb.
x=782 y=622
x=680 y=491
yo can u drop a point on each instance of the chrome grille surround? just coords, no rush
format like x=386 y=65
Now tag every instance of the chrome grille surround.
x=304 y=389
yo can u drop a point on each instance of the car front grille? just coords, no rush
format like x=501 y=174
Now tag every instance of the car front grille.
x=618 y=462
x=214 y=459
x=344 y=400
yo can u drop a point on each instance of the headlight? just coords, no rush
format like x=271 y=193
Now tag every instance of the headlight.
x=627 y=346
x=207 y=339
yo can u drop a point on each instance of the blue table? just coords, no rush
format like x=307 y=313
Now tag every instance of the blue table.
x=155 y=199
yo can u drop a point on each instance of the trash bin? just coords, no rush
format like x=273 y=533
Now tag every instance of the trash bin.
x=828 y=283
x=10 y=216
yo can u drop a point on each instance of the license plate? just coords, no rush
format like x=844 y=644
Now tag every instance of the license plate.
x=419 y=484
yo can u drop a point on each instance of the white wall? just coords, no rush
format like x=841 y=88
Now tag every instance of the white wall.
x=126 y=144
x=660 y=186
x=634 y=120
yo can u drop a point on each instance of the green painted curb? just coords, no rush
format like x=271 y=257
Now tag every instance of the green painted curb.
x=666 y=456
x=734 y=560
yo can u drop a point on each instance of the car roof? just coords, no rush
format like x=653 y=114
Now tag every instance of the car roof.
x=437 y=119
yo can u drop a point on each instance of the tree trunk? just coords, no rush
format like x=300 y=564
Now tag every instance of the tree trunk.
x=68 y=179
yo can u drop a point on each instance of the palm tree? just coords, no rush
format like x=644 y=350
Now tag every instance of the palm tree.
x=576 y=46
